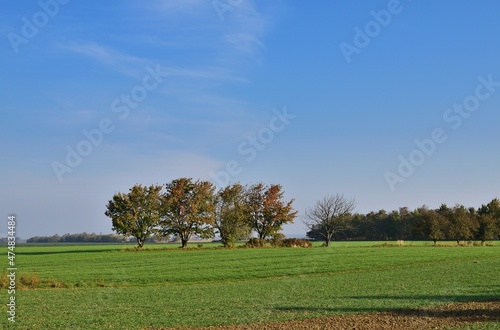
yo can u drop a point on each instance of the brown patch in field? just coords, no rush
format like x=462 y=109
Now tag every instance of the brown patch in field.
x=437 y=317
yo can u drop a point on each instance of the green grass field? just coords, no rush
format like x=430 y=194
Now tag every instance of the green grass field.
x=109 y=287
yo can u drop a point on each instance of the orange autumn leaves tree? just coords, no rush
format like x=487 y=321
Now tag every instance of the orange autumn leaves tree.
x=267 y=209
x=188 y=209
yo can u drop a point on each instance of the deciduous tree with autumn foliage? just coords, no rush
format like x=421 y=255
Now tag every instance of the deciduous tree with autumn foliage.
x=231 y=214
x=188 y=208
x=267 y=209
x=136 y=213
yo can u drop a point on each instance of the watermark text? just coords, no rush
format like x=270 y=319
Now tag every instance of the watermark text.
x=454 y=117
x=250 y=147
x=11 y=269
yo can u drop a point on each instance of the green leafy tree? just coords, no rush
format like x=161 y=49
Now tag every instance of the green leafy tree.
x=329 y=216
x=381 y=224
x=489 y=221
x=405 y=222
x=136 y=213
x=431 y=224
x=462 y=224
x=267 y=209
x=188 y=209
x=363 y=226
x=231 y=214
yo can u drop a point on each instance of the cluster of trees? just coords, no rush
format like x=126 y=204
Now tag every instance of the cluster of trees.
x=78 y=238
x=185 y=207
x=332 y=218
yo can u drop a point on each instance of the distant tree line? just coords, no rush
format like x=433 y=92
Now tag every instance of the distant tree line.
x=78 y=238
x=185 y=208
x=332 y=219
x=5 y=240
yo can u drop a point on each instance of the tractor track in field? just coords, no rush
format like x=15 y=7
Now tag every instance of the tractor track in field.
x=436 y=317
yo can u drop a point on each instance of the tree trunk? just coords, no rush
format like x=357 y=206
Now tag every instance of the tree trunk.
x=435 y=242
x=140 y=242
x=458 y=242
x=327 y=242
x=184 y=242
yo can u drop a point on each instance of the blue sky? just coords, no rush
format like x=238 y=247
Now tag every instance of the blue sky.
x=203 y=79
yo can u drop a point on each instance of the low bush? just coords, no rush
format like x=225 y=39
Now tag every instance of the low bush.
x=278 y=242
x=290 y=242
x=296 y=242
x=255 y=243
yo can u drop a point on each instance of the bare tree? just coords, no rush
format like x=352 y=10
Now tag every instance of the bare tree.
x=330 y=215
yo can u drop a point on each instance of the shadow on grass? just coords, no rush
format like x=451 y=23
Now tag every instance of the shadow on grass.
x=442 y=310
x=493 y=296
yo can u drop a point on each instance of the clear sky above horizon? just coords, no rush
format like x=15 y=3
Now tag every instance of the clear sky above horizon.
x=393 y=103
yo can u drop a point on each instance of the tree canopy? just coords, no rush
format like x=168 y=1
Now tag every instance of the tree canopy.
x=267 y=209
x=136 y=213
x=188 y=209
x=231 y=220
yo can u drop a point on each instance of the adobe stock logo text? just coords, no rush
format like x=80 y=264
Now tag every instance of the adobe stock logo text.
x=250 y=147
x=31 y=26
x=94 y=137
x=453 y=116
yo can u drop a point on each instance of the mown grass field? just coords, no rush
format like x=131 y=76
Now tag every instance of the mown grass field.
x=109 y=287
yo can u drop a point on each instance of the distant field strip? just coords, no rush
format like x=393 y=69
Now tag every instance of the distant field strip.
x=107 y=287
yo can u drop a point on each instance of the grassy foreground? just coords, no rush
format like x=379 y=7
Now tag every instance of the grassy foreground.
x=108 y=287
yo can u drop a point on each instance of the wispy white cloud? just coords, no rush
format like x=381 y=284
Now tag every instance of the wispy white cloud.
x=124 y=63
x=100 y=53
x=248 y=27
x=241 y=30
x=196 y=87
x=110 y=57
